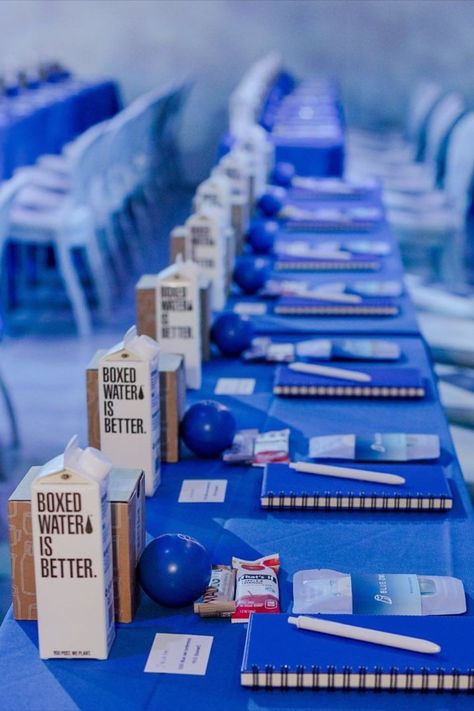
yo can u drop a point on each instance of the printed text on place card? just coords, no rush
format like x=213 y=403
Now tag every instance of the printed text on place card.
x=250 y=308
x=179 y=654
x=235 y=386
x=202 y=491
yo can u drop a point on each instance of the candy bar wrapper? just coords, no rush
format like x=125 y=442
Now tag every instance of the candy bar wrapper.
x=218 y=599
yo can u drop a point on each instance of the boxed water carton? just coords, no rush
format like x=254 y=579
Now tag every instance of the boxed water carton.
x=129 y=406
x=145 y=291
x=206 y=245
x=126 y=495
x=172 y=402
x=72 y=550
x=178 y=316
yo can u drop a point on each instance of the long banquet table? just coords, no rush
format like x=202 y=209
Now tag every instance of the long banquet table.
x=351 y=541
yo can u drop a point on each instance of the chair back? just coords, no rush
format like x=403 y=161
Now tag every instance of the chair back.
x=87 y=164
x=423 y=98
x=460 y=165
x=8 y=192
x=444 y=115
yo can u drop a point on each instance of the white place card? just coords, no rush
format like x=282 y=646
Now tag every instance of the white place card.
x=250 y=308
x=179 y=654
x=235 y=386
x=202 y=491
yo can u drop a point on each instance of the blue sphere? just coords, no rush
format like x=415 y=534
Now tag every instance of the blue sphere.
x=232 y=333
x=271 y=202
x=174 y=569
x=208 y=427
x=251 y=274
x=283 y=174
x=261 y=235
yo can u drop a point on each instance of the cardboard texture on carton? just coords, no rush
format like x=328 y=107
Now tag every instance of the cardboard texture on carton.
x=126 y=496
x=178 y=316
x=72 y=555
x=146 y=310
x=129 y=406
x=172 y=402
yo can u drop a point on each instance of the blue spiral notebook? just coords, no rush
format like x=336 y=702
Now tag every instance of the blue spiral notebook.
x=352 y=220
x=385 y=383
x=425 y=489
x=332 y=188
x=302 y=306
x=279 y=655
x=357 y=262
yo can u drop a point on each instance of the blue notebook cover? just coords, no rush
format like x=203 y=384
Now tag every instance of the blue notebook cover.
x=277 y=654
x=357 y=262
x=302 y=306
x=346 y=222
x=385 y=383
x=425 y=489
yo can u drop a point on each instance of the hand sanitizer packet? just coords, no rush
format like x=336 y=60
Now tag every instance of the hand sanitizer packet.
x=365 y=349
x=377 y=288
x=325 y=591
x=382 y=447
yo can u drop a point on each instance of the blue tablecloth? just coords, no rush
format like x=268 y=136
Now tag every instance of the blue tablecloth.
x=311 y=156
x=357 y=542
x=363 y=542
x=43 y=120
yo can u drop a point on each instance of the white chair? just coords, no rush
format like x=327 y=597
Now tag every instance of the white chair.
x=396 y=146
x=8 y=192
x=415 y=185
x=69 y=225
x=439 y=233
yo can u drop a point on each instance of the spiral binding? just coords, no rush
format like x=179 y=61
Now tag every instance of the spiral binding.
x=371 y=392
x=327 y=264
x=394 y=679
x=339 y=501
x=325 y=225
x=346 y=310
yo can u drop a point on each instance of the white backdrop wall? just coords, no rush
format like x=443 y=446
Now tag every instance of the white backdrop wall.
x=375 y=48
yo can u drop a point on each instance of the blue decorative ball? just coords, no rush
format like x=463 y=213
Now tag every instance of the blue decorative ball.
x=174 y=569
x=271 y=202
x=251 y=274
x=208 y=427
x=232 y=333
x=283 y=174
x=261 y=235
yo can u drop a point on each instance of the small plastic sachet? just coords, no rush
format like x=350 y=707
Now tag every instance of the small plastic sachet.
x=377 y=288
x=378 y=446
x=256 y=586
x=258 y=448
x=332 y=592
x=347 y=349
x=264 y=349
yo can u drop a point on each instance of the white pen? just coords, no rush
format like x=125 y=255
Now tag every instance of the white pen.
x=330 y=296
x=346 y=473
x=342 y=373
x=365 y=634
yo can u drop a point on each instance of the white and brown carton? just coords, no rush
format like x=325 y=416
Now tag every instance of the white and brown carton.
x=233 y=166
x=206 y=246
x=72 y=549
x=216 y=192
x=127 y=507
x=178 y=316
x=129 y=406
